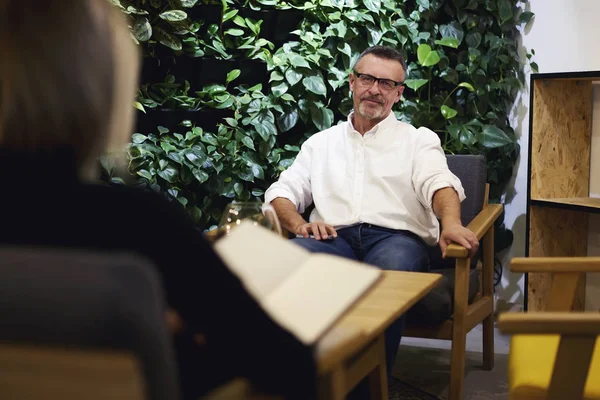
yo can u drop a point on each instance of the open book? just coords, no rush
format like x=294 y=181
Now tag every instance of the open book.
x=304 y=292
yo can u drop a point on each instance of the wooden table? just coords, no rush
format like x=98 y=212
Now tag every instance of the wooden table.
x=355 y=347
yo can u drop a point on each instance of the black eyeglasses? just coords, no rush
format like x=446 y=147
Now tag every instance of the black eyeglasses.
x=369 y=80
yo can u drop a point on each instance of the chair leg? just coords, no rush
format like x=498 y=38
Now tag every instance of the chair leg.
x=459 y=330
x=457 y=367
x=488 y=343
x=488 y=290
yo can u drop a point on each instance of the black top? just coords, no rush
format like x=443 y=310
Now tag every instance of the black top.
x=43 y=203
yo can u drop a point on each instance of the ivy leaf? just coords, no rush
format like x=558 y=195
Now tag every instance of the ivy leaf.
x=230 y=14
x=298 y=61
x=232 y=75
x=139 y=106
x=374 y=35
x=173 y=15
x=373 y=5
x=322 y=117
x=138 y=138
x=454 y=131
x=287 y=120
x=145 y=174
x=234 y=32
x=169 y=174
x=188 y=3
x=453 y=29
x=448 y=112
x=426 y=56
x=492 y=137
x=248 y=142
x=200 y=175
x=467 y=85
x=423 y=3
x=168 y=40
x=280 y=89
x=415 y=84
x=292 y=76
x=525 y=17
x=238 y=188
x=504 y=10
x=338 y=4
x=473 y=39
x=195 y=156
x=448 y=42
x=258 y=171
x=141 y=29
x=167 y=147
x=315 y=84
x=265 y=129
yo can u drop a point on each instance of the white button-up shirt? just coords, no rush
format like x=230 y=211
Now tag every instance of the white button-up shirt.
x=386 y=177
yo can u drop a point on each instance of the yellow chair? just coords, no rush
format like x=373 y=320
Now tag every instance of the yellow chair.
x=554 y=353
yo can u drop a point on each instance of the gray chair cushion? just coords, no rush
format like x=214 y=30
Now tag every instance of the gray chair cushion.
x=437 y=305
x=88 y=300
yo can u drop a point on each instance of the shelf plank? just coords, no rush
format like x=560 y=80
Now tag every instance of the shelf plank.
x=555 y=233
x=561 y=138
x=584 y=204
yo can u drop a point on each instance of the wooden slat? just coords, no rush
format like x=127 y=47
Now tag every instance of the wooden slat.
x=476 y=312
x=555 y=233
x=459 y=332
x=378 y=384
x=555 y=264
x=368 y=359
x=442 y=331
x=571 y=367
x=592 y=202
x=563 y=292
x=479 y=225
x=560 y=323
x=487 y=288
x=560 y=138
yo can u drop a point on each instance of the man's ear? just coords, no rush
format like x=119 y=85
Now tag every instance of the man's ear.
x=400 y=91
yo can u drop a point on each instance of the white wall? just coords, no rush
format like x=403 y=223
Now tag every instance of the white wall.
x=565 y=36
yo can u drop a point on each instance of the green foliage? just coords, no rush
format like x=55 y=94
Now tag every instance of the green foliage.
x=464 y=71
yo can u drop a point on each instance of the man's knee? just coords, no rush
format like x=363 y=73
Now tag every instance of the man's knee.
x=400 y=256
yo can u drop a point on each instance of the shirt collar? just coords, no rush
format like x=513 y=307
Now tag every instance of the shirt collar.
x=387 y=122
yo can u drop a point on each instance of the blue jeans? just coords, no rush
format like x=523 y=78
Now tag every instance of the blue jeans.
x=385 y=248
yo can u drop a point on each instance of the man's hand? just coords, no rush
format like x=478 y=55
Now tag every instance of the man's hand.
x=458 y=234
x=320 y=230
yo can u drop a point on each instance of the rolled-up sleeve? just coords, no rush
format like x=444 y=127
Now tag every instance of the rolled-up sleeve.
x=430 y=170
x=294 y=182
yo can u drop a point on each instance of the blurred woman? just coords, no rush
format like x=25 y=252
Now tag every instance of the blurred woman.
x=68 y=76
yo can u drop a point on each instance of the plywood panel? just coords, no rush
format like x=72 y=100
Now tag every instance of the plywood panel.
x=560 y=143
x=555 y=232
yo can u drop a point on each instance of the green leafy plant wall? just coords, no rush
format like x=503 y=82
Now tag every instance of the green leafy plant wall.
x=465 y=68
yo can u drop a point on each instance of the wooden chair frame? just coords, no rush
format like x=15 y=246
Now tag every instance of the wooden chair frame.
x=578 y=330
x=467 y=316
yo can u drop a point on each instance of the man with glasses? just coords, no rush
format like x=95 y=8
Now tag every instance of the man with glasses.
x=378 y=184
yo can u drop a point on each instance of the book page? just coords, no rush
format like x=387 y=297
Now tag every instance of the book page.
x=260 y=258
x=316 y=295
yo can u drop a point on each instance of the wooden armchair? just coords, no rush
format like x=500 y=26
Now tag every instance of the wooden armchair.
x=465 y=298
x=554 y=353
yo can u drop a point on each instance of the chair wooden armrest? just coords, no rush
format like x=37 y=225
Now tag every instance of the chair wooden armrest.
x=559 y=323
x=571 y=366
x=555 y=264
x=479 y=226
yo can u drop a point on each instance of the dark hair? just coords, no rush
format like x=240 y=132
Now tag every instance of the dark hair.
x=58 y=74
x=384 y=52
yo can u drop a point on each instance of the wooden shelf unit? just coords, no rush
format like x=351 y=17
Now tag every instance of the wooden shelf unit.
x=558 y=202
